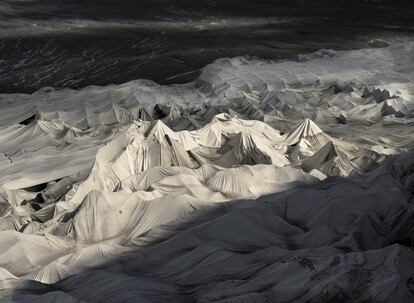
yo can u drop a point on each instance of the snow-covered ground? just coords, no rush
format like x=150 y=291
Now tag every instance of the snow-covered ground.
x=260 y=181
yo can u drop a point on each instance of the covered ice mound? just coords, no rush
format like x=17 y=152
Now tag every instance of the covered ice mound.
x=211 y=190
x=340 y=238
x=143 y=202
x=334 y=160
x=306 y=129
x=313 y=149
x=306 y=139
x=250 y=149
x=138 y=147
x=225 y=142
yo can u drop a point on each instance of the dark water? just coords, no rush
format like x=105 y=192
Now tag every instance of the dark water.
x=64 y=43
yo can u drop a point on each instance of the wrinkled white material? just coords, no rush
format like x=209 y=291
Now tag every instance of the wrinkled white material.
x=211 y=191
